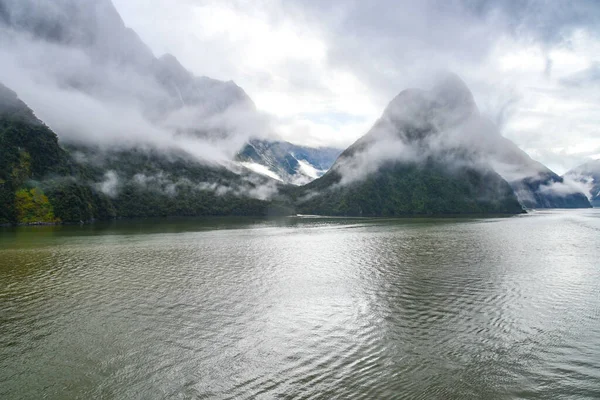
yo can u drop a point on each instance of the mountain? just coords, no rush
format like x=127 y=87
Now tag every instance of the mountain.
x=535 y=185
x=139 y=135
x=84 y=46
x=287 y=162
x=30 y=154
x=432 y=152
x=96 y=28
x=588 y=174
x=399 y=189
x=109 y=63
x=42 y=182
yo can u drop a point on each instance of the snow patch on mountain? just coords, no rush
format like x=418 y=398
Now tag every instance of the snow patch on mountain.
x=296 y=165
x=305 y=173
x=261 y=169
x=310 y=171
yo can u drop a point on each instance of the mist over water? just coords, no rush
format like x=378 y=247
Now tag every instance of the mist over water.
x=303 y=308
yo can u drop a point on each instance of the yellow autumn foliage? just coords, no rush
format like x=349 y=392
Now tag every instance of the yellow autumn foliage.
x=32 y=206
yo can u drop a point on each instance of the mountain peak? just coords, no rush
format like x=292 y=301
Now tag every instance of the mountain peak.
x=447 y=104
x=451 y=93
x=450 y=86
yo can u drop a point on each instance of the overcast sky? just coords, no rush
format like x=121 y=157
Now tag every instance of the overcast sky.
x=326 y=69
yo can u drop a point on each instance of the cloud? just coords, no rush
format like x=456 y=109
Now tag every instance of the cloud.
x=299 y=59
x=309 y=65
x=386 y=148
x=109 y=186
x=443 y=125
x=569 y=186
x=113 y=102
x=162 y=182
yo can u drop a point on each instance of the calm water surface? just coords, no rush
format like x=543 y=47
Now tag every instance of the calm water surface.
x=303 y=308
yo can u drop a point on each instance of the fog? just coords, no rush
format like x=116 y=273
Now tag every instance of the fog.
x=250 y=186
x=444 y=124
x=98 y=84
x=327 y=69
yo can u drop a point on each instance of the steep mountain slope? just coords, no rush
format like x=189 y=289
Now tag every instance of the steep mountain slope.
x=96 y=28
x=535 y=185
x=432 y=153
x=108 y=62
x=30 y=158
x=400 y=188
x=588 y=174
x=165 y=138
x=287 y=162
x=40 y=182
x=187 y=129
x=86 y=47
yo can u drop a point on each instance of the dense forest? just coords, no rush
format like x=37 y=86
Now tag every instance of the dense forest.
x=400 y=189
x=41 y=182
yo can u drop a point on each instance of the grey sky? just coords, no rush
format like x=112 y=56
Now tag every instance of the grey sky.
x=326 y=70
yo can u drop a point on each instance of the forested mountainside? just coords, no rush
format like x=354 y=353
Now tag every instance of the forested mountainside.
x=41 y=182
x=432 y=153
x=141 y=135
x=29 y=155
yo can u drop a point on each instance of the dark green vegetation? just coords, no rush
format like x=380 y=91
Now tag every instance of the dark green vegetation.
x=146 y=183
x=32 y=206
x=29 y=152
x=400 y=189
x=40 y=182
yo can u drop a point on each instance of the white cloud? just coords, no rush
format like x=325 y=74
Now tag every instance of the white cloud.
x=302 y=59
x=277 y=57
x=110 y=184
x=116 y=107
x=569 y=186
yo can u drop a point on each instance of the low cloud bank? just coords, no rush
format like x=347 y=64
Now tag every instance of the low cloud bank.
x=98 y=94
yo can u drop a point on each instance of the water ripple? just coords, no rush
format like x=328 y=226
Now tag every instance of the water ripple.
x=505 y=308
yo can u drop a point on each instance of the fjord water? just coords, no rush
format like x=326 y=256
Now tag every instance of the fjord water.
x=303 y=308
